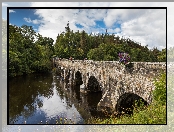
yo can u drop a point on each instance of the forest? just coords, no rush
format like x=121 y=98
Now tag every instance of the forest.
x=30 y=52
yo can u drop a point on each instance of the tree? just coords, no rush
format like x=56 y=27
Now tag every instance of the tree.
x=27 y=55
x=102 y=47
x=162 y=55
x=106 y=52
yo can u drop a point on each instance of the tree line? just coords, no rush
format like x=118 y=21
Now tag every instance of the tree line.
x=30 y=52
x=106 y=47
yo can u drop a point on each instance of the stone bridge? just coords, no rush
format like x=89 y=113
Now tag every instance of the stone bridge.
x=113 y=79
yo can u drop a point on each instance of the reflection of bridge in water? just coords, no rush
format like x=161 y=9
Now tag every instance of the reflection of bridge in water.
x=86 y=104
x=112 y=79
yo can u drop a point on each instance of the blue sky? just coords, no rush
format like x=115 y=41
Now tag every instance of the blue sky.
x=145 y=26
x=19 y=17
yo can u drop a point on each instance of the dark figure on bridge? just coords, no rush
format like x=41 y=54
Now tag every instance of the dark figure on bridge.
x=70 y=58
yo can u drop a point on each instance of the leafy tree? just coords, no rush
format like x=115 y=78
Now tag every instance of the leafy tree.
x=28 y=52
x=162 y=55
x=106 y=52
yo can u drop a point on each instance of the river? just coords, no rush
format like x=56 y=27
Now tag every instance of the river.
x=46 y=99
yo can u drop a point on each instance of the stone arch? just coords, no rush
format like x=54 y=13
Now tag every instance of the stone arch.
x=93 y=85
x=126 y=102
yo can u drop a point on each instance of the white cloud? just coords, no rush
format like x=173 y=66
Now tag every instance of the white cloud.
x=36 y=21
x=114 y=30
x=11 y=11
x=148 y=28
x=55 y=20
x=27 y=20
x=32 y=21
x=117 y=30
x=144 y=25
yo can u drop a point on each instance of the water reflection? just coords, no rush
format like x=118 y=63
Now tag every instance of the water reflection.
x=45 y=99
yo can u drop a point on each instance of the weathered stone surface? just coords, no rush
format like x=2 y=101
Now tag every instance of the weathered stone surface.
x=114 y=79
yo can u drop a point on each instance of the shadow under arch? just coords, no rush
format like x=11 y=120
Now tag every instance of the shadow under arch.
x=93 y=85
x=93 y=99
x=126 y=103
x=78 y=78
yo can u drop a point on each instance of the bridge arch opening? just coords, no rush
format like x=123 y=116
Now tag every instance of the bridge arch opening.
x=78 y=78
x=126 y=103
x=67 y=76
x=93 y=85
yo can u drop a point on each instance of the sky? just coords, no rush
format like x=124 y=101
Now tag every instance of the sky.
x=144 y=26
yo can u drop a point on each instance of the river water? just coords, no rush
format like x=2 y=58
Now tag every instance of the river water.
x=46 y=99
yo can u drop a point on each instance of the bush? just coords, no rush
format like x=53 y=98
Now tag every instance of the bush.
x=159 y=93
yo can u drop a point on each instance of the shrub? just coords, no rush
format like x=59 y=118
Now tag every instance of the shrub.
x=159 y=93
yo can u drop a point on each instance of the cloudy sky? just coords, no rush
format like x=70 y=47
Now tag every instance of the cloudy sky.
x=145 y=26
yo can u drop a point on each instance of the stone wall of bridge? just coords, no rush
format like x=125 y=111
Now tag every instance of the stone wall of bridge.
x=114 y=79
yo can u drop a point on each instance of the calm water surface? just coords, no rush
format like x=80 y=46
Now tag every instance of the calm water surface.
x=45 y=99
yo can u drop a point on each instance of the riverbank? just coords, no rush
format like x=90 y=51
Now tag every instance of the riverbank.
x=154 y=114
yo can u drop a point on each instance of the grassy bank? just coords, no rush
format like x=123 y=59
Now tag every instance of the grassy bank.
x=155 y=113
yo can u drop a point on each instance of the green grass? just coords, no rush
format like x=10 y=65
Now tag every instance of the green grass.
x=155 y=113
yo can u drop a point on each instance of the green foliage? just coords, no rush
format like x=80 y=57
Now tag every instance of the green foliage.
x=106 y=52
x=27 y=55
x=155 y=113
x=104 y=47
x=160 y=89
x=162 y=55
x=95 y=54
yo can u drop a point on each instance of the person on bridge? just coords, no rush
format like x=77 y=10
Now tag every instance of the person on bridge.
x=70 y=58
